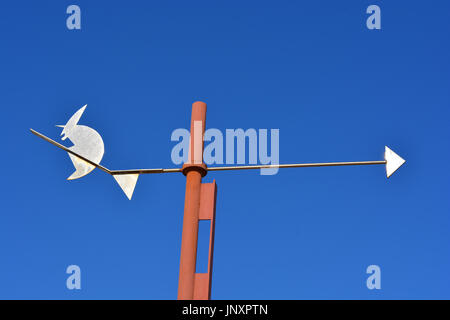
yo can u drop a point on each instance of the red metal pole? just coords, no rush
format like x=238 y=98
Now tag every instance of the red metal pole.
x=194 y=170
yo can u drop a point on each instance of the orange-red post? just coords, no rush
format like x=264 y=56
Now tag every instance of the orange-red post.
x=194 y=170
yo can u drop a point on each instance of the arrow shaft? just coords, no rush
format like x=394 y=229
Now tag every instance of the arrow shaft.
x=298 y=165
x=40 y=135
x=145 y=171
x=112 y=172
x=263 y=166
x=161 y=170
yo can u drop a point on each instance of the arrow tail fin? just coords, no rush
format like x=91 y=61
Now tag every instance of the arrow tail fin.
x=127 y=183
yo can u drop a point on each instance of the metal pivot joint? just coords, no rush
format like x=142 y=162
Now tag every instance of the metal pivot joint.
x=200 y=168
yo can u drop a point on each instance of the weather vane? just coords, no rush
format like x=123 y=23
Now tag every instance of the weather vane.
x=87 y=152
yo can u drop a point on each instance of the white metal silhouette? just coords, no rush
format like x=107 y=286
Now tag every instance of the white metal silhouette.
x=88 y=150
x=86 y=142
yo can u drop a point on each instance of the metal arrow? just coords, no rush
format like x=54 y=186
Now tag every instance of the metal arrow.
x=127 y=178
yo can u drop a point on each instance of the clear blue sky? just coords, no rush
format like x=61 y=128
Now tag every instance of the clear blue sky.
x=336 y=90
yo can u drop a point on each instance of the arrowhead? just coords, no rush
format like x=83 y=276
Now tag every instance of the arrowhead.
x=127 y=182
x=393 y=161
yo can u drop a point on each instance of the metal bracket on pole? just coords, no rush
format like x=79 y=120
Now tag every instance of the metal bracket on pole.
x=202 y=285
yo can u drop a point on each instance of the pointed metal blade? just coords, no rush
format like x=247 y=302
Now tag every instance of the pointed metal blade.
x=82 y=168
x=393 y=161
x=127 y=182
